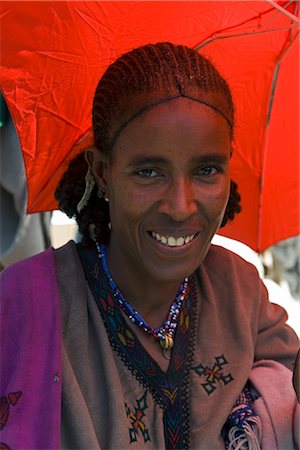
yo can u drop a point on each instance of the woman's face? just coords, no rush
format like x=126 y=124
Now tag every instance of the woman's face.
x=168 y=186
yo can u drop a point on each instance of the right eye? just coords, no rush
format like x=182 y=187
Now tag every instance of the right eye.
x=147 y=173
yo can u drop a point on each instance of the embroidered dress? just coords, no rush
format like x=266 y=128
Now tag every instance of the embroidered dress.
x=105 y=404
x=114 y=394
x=169 y=389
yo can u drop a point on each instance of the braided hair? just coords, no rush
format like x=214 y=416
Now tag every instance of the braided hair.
x=134 y=83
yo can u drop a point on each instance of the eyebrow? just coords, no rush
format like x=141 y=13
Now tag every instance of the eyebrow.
x=147 y=160
x=209 y=158
x=157 y=160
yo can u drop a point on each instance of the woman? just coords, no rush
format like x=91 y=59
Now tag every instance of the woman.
x=167 y=341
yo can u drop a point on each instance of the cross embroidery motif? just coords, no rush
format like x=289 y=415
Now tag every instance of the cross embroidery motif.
x=213 y=374
x=136 y=419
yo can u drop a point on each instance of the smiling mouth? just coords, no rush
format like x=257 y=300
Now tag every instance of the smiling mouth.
x=171 y=241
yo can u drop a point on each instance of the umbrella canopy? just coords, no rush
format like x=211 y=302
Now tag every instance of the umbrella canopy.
x=55 y=53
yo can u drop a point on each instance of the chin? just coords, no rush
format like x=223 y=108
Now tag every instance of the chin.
x=175 y=272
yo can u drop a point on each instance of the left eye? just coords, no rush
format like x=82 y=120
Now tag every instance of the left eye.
x=147 y=173
x=208 y=170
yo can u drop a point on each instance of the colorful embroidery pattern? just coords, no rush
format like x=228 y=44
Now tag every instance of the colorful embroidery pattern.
x=169 y=389
x=5 y=402
x=136 y=419
x=213 y=374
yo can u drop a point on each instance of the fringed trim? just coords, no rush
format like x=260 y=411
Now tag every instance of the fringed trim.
x=246 y=439
x=244 y=425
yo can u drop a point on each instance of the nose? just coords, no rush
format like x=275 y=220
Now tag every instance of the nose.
x=178 y=201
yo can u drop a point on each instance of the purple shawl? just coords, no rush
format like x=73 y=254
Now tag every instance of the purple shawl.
x=30 y=342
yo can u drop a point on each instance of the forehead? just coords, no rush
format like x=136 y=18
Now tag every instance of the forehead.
x=178 y=124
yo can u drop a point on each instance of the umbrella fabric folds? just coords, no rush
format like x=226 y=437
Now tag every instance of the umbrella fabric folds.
x=55 y=52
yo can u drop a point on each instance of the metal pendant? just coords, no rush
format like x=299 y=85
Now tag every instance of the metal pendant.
x=167 y=354
x=168 y=342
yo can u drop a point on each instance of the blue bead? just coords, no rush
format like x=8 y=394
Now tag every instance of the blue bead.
x=132 y=314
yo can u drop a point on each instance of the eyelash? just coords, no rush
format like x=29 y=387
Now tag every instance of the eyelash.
x=198 y=172
x=141 y=173
x=203 y=169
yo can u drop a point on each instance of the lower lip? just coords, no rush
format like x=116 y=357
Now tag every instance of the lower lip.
x=173 y=249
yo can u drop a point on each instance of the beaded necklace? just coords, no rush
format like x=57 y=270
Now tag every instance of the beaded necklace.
x=164 y=334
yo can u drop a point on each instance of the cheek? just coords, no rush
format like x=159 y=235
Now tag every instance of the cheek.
x=215 y=199
x=127 y=204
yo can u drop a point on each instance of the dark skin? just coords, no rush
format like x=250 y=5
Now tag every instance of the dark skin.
x=168 y=176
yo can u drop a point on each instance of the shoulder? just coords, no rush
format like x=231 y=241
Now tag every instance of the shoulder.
x=29 y=294
x=35 y=274
x=21 y=272
x=222 y=260
x=68 y=263
x=67 y=254
x=225 y=271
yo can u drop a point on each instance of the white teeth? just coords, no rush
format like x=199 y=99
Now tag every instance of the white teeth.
x=180 y=241
x=171 y=241
x=163 y=240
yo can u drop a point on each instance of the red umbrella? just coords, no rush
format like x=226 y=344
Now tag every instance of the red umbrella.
x=55 y=52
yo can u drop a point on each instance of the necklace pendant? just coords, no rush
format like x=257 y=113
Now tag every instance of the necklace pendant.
x=168 y=342
x=166 y=339
x=167 y=354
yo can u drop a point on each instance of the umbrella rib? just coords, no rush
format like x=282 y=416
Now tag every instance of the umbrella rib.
x=209 y=40
x=247 y=21
x=276 y=71
x=233 y=27
x=285 y=49
x=283 y=11
x=278 y=12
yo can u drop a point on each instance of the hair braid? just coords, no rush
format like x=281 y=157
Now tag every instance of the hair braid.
x=144 y=75
x=233 y=205
x=69 y=192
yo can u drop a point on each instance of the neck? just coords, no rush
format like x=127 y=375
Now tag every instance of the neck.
x=151 y=298
x=153 y=303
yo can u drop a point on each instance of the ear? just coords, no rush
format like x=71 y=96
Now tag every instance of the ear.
x=98 y=165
